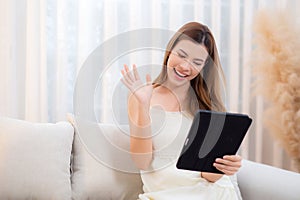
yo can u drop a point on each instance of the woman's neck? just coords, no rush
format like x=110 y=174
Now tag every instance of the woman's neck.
x=181 y=92
x=174 y=95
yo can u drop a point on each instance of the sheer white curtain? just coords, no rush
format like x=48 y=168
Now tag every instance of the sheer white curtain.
x=43 y=44
x=23 y=60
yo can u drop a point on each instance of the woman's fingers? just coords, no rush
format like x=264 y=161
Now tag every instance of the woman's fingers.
x=227 y=172
x=234 y=158
x=230 y=161
x=225 y=168
x=128 y=74
x=135 y=72
x=132 y=79
x=228 y=164
x=148 y=79
x=126 y=80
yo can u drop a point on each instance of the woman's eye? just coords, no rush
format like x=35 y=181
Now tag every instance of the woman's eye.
x=181 y=55
x=198 y=64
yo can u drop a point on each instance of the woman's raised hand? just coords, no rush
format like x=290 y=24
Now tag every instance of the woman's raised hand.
x=132 y=81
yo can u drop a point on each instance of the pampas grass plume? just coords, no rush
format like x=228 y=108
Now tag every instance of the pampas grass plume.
x=276 y=64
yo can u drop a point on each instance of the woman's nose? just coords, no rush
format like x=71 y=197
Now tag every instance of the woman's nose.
x=185 y=65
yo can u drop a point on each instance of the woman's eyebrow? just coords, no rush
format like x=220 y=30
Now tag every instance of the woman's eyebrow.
x=183 y=52
x=196 y=59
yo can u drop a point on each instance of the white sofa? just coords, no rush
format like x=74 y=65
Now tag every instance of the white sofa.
x=48 y=161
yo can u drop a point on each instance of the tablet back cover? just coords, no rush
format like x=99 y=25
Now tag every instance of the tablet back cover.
x=212 y=135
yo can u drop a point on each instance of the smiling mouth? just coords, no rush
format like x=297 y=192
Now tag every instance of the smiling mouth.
x=179 y=74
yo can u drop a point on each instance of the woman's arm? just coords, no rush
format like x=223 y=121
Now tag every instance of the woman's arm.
x=139 y=118
x=140 y=133
x=211 y=177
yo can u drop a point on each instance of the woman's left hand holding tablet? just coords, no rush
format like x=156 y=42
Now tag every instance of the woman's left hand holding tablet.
x=229 y=164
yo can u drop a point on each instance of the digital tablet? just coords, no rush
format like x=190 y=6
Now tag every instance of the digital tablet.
x=212 y=135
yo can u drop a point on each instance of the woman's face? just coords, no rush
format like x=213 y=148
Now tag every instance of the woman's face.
x=185 y=62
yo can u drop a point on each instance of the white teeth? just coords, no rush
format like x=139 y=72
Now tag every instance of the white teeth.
x=178 y=73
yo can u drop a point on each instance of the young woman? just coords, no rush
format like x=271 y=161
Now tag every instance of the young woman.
x=160 y=114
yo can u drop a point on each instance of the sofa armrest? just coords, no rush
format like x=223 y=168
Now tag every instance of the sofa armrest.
x=260 y=181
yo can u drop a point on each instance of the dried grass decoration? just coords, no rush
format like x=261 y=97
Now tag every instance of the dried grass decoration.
x=276 y=63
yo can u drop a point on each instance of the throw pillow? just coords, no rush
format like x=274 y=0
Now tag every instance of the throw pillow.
x=35 y=159
x=92 y=180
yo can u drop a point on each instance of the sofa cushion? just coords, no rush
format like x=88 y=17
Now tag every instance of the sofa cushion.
x=93 y=180
x=35 y=159
x=260 y=181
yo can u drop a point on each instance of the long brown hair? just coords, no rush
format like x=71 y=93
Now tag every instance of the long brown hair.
x=206 y=87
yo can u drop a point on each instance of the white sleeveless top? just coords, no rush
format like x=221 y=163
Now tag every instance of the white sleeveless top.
x=163 y=181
